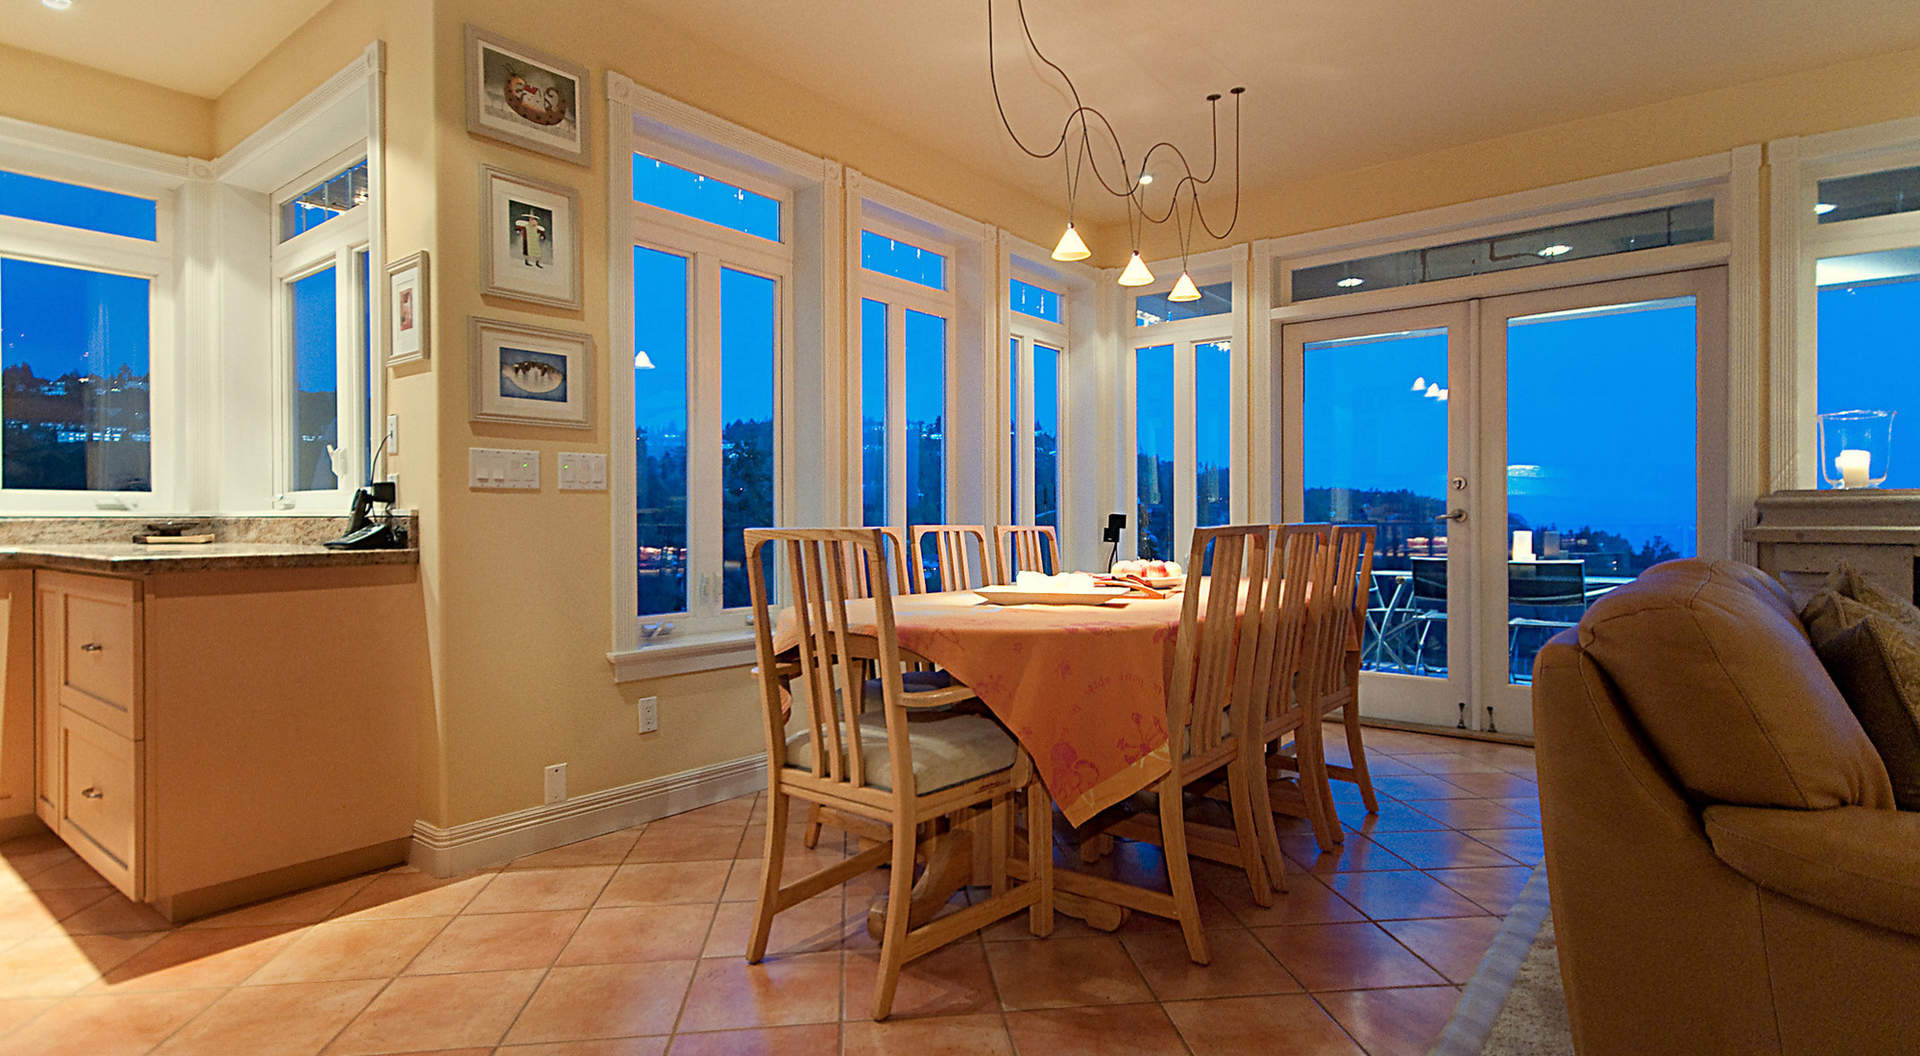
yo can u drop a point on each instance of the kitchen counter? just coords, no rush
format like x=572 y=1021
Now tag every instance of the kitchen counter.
x=139 y=558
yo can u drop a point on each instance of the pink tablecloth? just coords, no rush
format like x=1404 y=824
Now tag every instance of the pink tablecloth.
x=1082 y=687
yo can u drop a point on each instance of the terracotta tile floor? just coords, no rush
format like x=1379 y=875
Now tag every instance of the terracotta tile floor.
x=631 y=943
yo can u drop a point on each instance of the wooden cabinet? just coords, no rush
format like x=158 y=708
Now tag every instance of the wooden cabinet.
x=88 y=646
x=205 y=739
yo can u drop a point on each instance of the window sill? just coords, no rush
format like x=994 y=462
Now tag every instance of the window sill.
x=684 y=655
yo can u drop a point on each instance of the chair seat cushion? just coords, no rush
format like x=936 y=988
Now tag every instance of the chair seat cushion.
x=947 y=750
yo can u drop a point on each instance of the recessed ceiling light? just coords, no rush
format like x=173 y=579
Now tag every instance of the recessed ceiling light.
x=1823 y=208
x=1554 y=250
x=57 y=5
x=1146 y=178
x=1350 y=282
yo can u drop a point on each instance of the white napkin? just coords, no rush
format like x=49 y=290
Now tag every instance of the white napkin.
x=1041 y=583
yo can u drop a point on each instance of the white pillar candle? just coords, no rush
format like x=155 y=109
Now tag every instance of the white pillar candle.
x=1853 y=465
x=1522 y=546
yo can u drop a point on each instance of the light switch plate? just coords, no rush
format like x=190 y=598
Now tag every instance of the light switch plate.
x=393 y=434
x=494 y=469
x=583 y=471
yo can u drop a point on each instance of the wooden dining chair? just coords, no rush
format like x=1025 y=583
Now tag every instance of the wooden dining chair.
x=1218 y=675
x=961 y=554
x=1025 y=548
x=883 y=765
x=1328 y=681
x=1300 y=556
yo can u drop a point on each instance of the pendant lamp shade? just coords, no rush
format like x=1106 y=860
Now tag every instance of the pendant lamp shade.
x=1184 y=289
x=1070 y=246
x=1136 y=273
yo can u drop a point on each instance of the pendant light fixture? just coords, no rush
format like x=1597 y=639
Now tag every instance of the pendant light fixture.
x=1076 y=135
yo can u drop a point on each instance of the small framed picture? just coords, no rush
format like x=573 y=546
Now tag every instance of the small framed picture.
x=529 y=374
x=407 y=310
x=526 y=97
x=530 y=249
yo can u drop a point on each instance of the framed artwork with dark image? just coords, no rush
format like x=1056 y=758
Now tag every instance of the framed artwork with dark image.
x=408 y=322
x=526 y=97
x=529 y=374
x=530 y=249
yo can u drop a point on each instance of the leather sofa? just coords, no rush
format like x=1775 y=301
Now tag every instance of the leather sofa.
x=1727 y=871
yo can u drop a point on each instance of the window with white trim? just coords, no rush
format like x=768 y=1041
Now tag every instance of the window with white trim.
x=85 y=283
x=712 y=278
x=322 y=319
x=1182 y=377
x=1034 y=351
x=906 y=323
x=1852 y=283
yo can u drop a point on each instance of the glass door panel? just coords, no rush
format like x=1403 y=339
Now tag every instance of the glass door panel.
x=1212 y=433
x=1378 y=426
x=1154 y=455
x=1590 y=508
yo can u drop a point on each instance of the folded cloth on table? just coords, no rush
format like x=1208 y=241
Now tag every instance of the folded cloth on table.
x=1065 y=583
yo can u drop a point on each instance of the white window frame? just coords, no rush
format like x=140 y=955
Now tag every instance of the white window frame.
x=1030 y=330
x=1797 y=242
x=107 y=167
x=901 y=295
x=1730 y=179
x=1212 y=268
x=806 y=263
x=335 y=243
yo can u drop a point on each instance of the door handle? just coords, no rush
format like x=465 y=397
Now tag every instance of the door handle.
x=1455 y=515
x=92 y=792
x=91 y=647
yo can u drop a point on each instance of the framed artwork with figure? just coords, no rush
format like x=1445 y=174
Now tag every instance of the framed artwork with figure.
x=530 y=244
x=526 y=97
x=407 y=310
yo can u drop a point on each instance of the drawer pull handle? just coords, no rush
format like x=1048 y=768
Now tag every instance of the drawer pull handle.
x=92 y=647
x=92 y=792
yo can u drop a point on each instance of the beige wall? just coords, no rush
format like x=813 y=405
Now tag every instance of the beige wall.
x=516 y=585
x=50 y=91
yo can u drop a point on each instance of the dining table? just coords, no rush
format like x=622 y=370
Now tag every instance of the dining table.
x=1082 y=687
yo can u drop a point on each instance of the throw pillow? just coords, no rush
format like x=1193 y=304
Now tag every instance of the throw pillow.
x=1861 y=661
x=1852 y=583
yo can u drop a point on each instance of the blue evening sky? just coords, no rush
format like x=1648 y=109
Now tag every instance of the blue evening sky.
x=1869 y=350
x=51 y=320
x=315 y=330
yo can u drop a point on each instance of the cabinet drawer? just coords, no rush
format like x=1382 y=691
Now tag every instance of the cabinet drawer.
x=100 y=651
x=99 y=799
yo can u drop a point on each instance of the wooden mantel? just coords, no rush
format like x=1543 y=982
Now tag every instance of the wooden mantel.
x=1803 y=535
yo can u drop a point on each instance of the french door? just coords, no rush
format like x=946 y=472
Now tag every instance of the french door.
x=1519 y=457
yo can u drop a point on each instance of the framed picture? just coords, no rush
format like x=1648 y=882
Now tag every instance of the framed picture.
x=529 y=374
x=407 y=310
x=530 y=249
x=526 y=97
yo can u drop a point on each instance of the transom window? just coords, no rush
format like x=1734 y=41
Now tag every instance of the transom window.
x=906 y=315
x=701 y=196
x=334 y=196
x=1150 y=309
x=72 y=205
x=1035 y=301
x=903 y=260
x=1039 y=339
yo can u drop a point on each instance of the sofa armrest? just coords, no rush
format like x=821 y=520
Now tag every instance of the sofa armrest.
x=1858 y=862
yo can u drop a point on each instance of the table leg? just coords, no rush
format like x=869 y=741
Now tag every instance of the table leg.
x=949 y=858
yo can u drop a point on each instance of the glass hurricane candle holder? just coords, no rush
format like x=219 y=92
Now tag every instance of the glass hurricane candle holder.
x=1856 y=448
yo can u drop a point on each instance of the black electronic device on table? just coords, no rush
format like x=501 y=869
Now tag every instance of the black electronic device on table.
x=1116 y=523
x=363 y=532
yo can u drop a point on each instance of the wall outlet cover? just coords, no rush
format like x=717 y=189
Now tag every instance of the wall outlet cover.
x=556 y=781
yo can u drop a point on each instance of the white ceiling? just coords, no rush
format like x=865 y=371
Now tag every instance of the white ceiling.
x=1332 y=84
x=196 y=46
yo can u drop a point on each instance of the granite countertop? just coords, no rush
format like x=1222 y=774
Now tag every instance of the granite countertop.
x=135 y=558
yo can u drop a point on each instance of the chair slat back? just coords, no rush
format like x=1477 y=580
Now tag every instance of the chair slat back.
x=962 y=556
x=1297 y=550
x=1363 y=538
x=1547 y=582
x=1214 y=668
x=833 y=665
x=1025 y=548
x=895 y=541
x=1331 y=612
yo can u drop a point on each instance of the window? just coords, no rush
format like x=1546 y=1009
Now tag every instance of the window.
x=334 y=196
x=905 y=318
x=83 y=275
x=1185 y=445
x=71 y=205
x=1846 y=228
x=708 y=341
x=1625 y=233
x=702 y=197
x=325 y=370
x=1039 y=336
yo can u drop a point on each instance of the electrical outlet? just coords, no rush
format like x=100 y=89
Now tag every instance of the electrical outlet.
x=556 y=784
x=649 y=714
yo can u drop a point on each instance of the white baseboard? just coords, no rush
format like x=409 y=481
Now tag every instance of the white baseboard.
x=496 y=840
